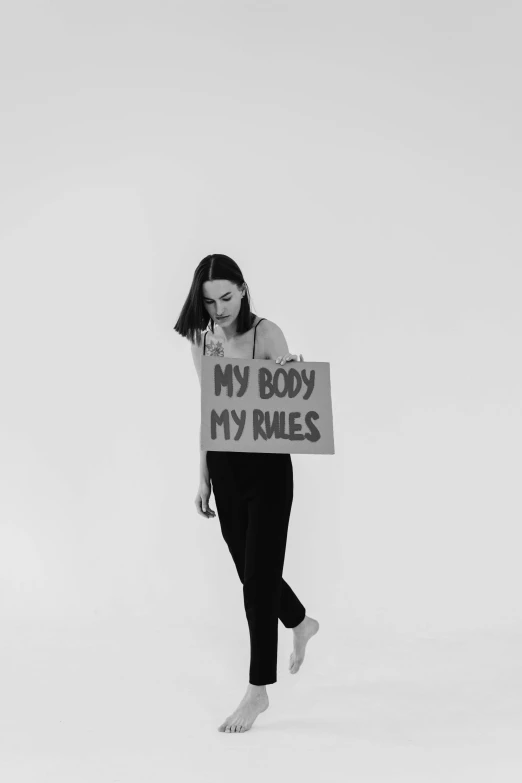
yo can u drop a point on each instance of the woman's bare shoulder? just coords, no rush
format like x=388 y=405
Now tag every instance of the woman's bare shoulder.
x=266 y=326
x=269 y=328
x=273 y=339
x=194 y=347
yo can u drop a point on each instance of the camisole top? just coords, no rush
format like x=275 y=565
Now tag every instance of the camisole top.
x=254 y=349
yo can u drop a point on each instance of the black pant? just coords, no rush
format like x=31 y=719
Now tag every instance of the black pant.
x=253 y=494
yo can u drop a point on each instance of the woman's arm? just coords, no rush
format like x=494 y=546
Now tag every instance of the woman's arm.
x=203 y=467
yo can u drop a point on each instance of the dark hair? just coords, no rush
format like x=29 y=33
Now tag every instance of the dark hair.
x=194 y=319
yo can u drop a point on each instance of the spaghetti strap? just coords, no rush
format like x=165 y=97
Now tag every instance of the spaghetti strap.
x=254 y=351
x=204 y=342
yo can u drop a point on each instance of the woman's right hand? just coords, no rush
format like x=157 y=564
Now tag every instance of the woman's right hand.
x=202 y=499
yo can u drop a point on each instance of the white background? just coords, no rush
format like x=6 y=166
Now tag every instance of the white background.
x=361 y=162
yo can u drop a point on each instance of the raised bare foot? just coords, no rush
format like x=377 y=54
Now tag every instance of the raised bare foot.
x=245 y=714
x=302 y=633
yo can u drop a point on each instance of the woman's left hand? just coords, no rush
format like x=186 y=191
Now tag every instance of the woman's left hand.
x=290 y=357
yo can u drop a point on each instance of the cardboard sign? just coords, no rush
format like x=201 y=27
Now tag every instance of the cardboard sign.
x=257 y=405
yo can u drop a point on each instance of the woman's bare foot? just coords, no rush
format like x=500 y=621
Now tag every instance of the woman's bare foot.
x=253 y=702
x=302 y=633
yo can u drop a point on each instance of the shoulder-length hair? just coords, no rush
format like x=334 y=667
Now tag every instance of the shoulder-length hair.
x=194 y=318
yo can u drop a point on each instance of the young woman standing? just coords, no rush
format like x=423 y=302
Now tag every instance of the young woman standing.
x=253 y=491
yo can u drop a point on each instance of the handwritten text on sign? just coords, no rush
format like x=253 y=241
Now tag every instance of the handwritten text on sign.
x=256 y=405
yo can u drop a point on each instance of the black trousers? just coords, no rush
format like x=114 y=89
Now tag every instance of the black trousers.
x=253 y=494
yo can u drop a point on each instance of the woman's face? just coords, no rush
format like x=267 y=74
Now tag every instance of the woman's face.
x=222 y=298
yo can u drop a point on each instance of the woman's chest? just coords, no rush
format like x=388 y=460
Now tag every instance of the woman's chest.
x=238 y=349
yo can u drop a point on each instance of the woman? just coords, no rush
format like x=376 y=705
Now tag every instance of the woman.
x=253 y=491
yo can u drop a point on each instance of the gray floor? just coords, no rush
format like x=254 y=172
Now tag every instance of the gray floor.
x=143 y=704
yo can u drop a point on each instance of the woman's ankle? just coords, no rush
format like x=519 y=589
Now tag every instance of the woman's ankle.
x=256 y=689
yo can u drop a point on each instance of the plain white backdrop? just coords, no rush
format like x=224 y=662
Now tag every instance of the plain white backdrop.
x=361 y=162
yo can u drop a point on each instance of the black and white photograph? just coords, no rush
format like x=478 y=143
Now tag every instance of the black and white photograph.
x=261 y=398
